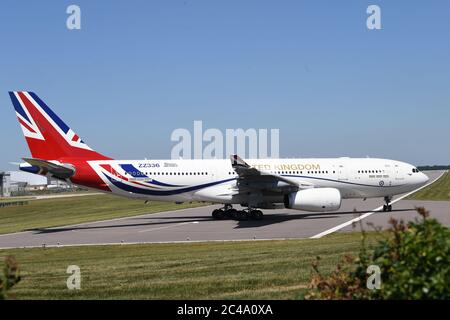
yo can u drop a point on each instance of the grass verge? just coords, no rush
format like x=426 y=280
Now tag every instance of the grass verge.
x=439 y=190
x=212 y=270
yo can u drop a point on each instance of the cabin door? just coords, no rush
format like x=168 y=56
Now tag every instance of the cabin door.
x=342 y=172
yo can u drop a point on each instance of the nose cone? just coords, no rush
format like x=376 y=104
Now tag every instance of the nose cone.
x=423 y=178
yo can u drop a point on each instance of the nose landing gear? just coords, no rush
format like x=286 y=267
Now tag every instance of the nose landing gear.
x=387 y=206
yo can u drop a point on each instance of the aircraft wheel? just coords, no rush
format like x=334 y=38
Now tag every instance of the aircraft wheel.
x=384 y=208
x=257 y=214
x=218 y=214
x=389 y=208
x=231 y=213
x=242 y=215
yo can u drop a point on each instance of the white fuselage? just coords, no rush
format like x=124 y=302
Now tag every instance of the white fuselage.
x=215 y=180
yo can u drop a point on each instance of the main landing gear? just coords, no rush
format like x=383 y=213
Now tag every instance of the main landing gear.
x=387 y=206
x=228 y=212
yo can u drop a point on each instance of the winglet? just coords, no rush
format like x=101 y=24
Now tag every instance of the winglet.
x=237 y=161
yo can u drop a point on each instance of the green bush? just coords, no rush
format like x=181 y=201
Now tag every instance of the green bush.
x=414 y=261
x=9 y=277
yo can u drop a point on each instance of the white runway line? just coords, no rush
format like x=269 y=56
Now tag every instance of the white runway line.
x=345 y=224
x=58 y=196
x=145 y=242
x=167 y=227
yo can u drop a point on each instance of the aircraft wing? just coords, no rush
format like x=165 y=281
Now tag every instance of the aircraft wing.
x=62 y=171
x=252 y=178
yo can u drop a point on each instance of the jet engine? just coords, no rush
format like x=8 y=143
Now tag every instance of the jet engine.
x=314 y=199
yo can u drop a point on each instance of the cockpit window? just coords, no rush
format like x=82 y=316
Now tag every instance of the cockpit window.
x=415 y=170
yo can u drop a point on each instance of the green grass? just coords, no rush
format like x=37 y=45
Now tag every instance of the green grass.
x=439 y=190
x=72 y=210
x=213 y=270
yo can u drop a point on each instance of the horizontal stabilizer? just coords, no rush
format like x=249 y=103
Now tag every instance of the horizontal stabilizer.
x=62 y=171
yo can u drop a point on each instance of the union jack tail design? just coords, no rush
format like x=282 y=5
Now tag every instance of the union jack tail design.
x=48 y=137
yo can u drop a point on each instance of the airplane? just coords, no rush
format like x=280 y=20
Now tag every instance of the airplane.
x=314 y=185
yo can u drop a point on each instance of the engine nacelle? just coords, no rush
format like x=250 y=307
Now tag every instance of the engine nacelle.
x=314 y=199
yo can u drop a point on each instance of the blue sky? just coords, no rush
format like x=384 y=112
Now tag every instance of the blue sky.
x=137 y=70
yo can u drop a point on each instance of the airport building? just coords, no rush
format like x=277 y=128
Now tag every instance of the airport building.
x=18 y=183
x=5 y=184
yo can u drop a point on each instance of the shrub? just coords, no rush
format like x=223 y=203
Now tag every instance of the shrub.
x=9 y=277
x=414 y=261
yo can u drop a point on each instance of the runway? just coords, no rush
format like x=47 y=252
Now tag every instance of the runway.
x=196 y=224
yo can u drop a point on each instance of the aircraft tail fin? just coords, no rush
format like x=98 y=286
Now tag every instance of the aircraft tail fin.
x=47 y=136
